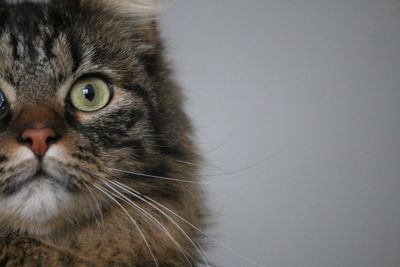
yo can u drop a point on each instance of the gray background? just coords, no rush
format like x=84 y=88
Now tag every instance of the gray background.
x=315 y=86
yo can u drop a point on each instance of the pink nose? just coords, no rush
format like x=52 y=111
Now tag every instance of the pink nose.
x=39 y=139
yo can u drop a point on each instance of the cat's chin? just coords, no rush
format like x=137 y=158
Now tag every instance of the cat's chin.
x=38 y=207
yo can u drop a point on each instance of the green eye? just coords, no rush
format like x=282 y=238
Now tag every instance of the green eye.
x=90 y=94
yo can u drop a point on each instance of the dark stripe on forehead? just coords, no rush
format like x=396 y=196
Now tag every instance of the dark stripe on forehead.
x=14 y=45
x=76 y=52
x=61 y=24
x=3 y=16
x=49 y=43
x=27 y=18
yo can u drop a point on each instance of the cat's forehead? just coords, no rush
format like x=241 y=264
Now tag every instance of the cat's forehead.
x=33 y=56
x=40 y=49
x=45 y=43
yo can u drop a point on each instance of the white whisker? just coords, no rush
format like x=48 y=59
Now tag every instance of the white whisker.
x=242 y=169
x=99 y=187
x=171 y=179
x=148 y=215
x=221 y=144
x=91 y=192
x=197 y=164
x=243 y=257
x=194 y=227
x=194 y=243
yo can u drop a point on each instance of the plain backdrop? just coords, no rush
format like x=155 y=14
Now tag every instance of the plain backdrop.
x=312 y=87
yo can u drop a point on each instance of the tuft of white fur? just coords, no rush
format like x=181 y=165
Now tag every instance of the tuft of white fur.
x=138 y=8
x=42 y=199
x=38 y=202
x=144 y=6
x=55 y=152
x=23 y=154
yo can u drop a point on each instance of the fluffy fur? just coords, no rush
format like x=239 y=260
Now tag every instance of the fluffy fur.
x=98 y=196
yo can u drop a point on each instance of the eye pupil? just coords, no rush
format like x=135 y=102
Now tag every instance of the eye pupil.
x=89 y=92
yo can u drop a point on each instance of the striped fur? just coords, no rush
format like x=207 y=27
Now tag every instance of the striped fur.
x=62 y=218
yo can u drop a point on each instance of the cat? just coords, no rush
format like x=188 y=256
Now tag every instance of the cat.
x=98 y=163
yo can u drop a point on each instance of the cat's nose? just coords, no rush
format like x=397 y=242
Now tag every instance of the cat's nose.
x=39 y=139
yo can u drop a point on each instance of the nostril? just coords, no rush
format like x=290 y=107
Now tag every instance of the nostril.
x=39 y=140
x=51 y=140
x=26 y=141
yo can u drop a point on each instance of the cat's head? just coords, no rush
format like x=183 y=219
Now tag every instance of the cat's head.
x=85 y=97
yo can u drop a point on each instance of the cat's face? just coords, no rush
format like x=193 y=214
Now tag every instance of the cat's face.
x=80 y=98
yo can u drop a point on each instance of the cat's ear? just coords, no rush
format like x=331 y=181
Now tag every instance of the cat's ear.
x=143 y=12
x=139 y=8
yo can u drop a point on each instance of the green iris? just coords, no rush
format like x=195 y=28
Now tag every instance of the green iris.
x=90 y=94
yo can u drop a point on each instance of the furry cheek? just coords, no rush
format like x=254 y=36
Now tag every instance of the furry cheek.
x=20 y=163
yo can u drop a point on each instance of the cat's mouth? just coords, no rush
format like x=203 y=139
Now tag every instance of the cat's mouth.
x=39 y=174
x=21 y=182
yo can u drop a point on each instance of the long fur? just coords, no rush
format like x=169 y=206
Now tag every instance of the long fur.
x=124 y=179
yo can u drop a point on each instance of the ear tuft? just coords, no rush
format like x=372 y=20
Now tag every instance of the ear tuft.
x=143 y=12
x=145 y=9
